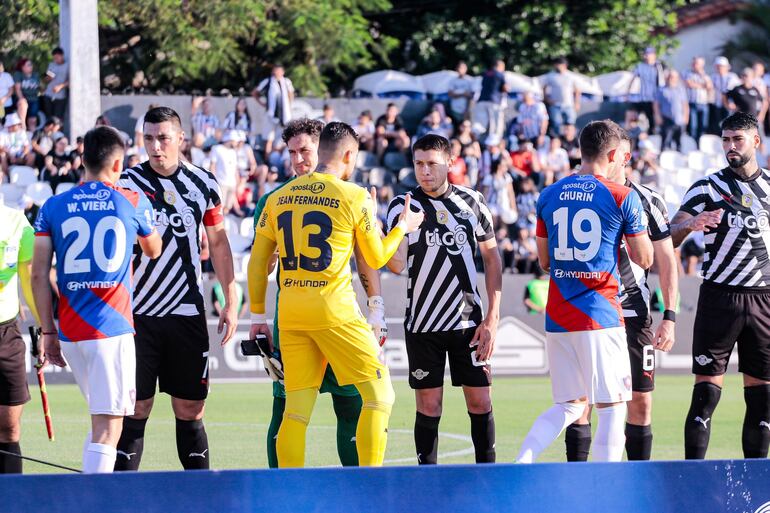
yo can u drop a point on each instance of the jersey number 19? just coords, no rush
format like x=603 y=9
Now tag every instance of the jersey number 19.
x=592 y=236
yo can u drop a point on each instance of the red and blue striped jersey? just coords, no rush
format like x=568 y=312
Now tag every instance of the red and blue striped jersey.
x=93 y=228
x=584 y=217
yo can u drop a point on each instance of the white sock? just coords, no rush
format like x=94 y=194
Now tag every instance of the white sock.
x=610 y=439
x=86 y=444
x=99 y=459
x=547 y=428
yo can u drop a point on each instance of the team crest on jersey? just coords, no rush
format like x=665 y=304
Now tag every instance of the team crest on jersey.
x=464 y=215
x=192 y=195
x=442 y=216
x=169 y=197
x=747 y=200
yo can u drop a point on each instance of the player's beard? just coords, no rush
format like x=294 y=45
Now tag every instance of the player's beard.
x=738 y=160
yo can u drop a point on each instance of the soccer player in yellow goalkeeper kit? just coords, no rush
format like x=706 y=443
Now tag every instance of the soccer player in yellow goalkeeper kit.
x=315 y=222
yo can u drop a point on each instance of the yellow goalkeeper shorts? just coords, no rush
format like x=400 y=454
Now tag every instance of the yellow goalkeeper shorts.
x=350 y=349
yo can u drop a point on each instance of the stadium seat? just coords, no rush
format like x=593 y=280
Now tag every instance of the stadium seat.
x=672 y=195
x=39 y=192
x=11 y=194
x=378 y=176
x=685 y=177
x=395 y=160
x=64 y=186
x=23 y=175
x=366 y=160
x=656 y=141
x=247 y=228
x=672 y=160
x=711 y=144
x=688 y=144
x=699 y=160
x=407 y=178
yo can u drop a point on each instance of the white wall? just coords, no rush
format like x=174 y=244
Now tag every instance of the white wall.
x=704 y=39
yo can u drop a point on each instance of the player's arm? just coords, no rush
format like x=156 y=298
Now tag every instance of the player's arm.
x=543 y=256
x=151 y=245
x=41 y=290
x=668 y=272
x=26 y=251
x=493 y=279
x=222 y=257
x=377 y=251
x=397 y=262
x=638 y=240
x=370 y=281
x=262 y=252
x=684 y=224
x=640 y=249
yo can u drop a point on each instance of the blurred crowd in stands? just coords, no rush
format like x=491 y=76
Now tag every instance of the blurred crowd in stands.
x=672 y=124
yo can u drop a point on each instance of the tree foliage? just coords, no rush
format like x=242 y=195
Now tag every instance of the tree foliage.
x=597 y=36
x=750 y=45
x=230 y=43
x=199 y=44
x=29 y=29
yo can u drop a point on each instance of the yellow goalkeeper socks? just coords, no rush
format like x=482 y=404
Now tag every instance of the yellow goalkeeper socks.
x=291 y=436
x=372 y=432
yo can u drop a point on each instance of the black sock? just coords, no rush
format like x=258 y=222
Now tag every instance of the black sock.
x=10 y=464
x=426 y=439
x=347 y=409
x=697 y=426
x=638 y=442
x=192 y=444
x=577 y=439
x=279 y=405
x=483 y=436
x=131 y=444
x=756 y=423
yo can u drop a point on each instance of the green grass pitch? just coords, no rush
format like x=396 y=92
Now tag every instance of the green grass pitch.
x=237 y=416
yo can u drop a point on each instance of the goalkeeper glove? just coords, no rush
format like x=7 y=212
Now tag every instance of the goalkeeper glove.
x=271 y=360
x=376 y=318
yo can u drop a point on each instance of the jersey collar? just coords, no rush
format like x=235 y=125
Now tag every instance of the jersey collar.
x=446 y=194
x=733 y=174
x=148 y=168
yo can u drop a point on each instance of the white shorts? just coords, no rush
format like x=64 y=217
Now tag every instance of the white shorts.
x=105 y=371
x=593 y=364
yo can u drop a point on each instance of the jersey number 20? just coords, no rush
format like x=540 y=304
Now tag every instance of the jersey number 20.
x=317 y=241
x=592 y=236
x=82 y=230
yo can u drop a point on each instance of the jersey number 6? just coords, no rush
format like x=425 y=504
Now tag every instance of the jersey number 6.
x=315 y=240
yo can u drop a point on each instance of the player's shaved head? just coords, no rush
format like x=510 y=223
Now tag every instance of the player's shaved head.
x=102 y=146
x=336 y=138
x=598 y=138
x=161 y=114
x=310 y=127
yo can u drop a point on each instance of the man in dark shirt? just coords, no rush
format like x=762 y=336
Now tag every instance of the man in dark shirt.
x=745 y=97
x=492 y=100
x=389 y=132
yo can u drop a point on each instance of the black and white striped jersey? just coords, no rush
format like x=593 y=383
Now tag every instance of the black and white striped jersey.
x=737 y=250
x=442 y=291
x=183 y=203
x=635 y=291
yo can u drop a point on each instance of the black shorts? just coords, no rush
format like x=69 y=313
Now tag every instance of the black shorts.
x=639 y=337
x=172 y=351
x=727 y=315
x=427 y=353
x=13 y=372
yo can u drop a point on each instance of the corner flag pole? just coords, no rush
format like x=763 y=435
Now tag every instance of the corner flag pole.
x=34 y=333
